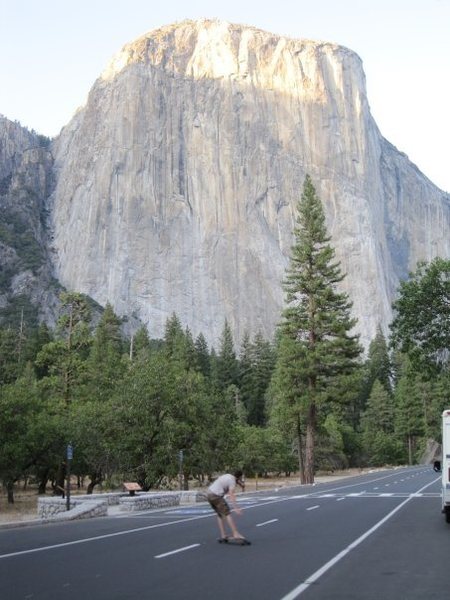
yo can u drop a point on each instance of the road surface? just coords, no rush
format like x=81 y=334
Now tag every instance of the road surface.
x=376 y=536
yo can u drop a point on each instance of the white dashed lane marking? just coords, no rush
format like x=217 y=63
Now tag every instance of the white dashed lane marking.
x=266 y=522
x=177 y=551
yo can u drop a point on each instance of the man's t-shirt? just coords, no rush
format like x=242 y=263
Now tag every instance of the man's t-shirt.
x=223 y=485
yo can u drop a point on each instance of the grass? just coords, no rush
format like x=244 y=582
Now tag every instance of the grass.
x=24 y=507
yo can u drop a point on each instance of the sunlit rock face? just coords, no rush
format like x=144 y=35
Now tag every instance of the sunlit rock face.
x=177 y=183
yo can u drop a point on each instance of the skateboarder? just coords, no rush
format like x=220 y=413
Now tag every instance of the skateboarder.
x=222 y=486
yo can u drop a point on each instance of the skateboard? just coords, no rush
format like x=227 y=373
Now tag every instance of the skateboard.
x=236 y=541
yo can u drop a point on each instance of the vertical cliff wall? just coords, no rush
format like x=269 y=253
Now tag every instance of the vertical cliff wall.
x=26 y=287
x=177 y=182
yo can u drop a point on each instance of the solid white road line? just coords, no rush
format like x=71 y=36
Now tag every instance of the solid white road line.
x=315 y=576
x=102 y=537
x=176 y=551
x=266 y=523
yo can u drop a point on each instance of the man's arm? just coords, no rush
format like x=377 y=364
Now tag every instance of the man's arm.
x=232 y=496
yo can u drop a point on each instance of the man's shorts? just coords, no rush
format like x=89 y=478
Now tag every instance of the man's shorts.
x=219 y=504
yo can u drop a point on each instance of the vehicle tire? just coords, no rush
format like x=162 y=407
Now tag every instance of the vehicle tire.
x=447 y=514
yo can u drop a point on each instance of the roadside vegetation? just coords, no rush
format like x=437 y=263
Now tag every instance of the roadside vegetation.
x=305 y=401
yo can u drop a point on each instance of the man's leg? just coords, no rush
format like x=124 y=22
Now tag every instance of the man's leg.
x=234 y=531
x=221 y=527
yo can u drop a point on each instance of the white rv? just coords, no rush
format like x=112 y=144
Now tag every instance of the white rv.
x=445 y=464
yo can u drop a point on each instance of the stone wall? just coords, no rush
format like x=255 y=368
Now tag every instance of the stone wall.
x=158 y=500
x=96 y=505
x=55 y=509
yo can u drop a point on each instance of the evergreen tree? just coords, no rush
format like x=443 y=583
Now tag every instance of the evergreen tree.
x=434 y=394
x=379 y=362
x=65 y=358
x=214 y=370
x=409 y=410
x=227 y=364
x=9 y=368
x=108 y=337
x=316 y=345
x=178 y=344
x=377 y=366
x=379 y=440
x=190 y=353
x=202 y=357
x=18 y=346
x=105 y=370
x=263 y=358
x=173 y=333
x=140 y=343
x=39 y=338
x=287 y=411
x=246 y=374
x=105 y=359
x=257 y=362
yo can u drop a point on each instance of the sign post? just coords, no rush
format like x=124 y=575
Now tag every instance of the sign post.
x=69 y=456
x=180 y=456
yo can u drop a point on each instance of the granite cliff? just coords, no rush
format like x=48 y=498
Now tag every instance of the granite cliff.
x=176 y=184
x=27 y=288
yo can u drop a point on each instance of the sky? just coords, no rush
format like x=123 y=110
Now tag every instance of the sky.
x=52 y=51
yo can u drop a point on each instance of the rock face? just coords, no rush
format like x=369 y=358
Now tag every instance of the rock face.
x=26 y=286
x=177 y=183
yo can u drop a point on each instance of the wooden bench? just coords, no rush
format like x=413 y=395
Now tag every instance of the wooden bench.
x=132 y=487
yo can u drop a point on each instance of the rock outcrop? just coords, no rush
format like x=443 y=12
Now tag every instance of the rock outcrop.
x=176 y=184
x=27 y=288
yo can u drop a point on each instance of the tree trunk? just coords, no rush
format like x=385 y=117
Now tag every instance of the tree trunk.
x=10 y=491
x=96 y=479
x=301 y=466
x=60 y=480
x=309 y=450
x=43 y=480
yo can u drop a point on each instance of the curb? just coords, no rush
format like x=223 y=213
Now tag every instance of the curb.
x=16 y=524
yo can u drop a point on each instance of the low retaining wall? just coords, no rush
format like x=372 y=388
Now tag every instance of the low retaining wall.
x=96 y=505
x=55 y=509
x=145 y=500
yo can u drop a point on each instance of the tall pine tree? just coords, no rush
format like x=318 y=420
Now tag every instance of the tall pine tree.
x=316 y=345
x=379 y=362
x=227 y=364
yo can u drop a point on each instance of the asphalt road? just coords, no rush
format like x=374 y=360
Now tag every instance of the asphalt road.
x=375 y=536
